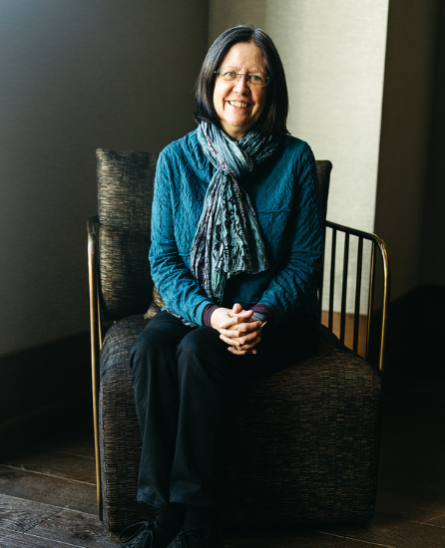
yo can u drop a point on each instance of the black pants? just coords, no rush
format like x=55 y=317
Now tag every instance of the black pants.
x=181 y=377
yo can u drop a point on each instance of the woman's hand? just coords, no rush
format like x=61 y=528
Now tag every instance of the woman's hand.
x=226 y=318
x=237 y=329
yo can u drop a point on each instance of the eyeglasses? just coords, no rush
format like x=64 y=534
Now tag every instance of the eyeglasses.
x=256 y=78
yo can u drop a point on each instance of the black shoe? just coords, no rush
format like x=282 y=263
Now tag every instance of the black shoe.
x=147 y=534
x=142 y=537
x=199 y=537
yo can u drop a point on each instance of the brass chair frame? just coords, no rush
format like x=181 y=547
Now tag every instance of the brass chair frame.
x=377 y=244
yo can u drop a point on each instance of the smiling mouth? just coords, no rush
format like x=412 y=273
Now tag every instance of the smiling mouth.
x=238 y=104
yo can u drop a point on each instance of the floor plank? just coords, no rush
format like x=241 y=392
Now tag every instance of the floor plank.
x=48 y=489
x=78 y=443
x=21 y=515
x=387 y=531
x=12 y=539
x=413 y=499
x=438 y=521
x=299 y=539
x=55 y=463
x=53 y=523
x=75 y=527
x=409 y=506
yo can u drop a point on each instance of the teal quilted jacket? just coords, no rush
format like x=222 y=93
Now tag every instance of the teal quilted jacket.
x=284 y=193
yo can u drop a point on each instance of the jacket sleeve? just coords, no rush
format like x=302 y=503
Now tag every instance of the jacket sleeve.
x=169 y=273
x=297 y=278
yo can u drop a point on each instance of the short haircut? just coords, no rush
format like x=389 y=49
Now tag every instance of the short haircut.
x=275 y=110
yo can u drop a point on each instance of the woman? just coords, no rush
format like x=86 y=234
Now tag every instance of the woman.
x=236 y=244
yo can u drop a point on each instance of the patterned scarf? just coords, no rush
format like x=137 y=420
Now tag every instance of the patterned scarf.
x=228 y=239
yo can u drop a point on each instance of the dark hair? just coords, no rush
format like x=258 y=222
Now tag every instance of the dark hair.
x=276 y=107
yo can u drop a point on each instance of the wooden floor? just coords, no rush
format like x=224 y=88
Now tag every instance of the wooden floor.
x=48 y=493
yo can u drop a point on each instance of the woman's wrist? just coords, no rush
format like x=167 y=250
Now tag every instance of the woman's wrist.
x=207 y=314
x=262 y=313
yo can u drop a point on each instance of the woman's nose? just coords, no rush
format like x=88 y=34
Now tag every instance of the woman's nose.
x=241 y=84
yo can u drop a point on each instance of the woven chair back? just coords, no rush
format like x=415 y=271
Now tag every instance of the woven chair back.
x=125 y=194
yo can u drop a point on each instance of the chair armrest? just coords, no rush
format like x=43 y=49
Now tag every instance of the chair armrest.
x=377 y=243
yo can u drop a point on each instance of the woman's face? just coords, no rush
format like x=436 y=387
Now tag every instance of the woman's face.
x=238 y=104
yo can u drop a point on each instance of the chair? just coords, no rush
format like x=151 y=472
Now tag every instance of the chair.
x=302 y=446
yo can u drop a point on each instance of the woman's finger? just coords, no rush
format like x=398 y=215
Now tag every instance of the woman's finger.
x=237 y=331
x=242 y=338
x=229 y=323
x=241 y=314
x=232 y=317
x=240 y=343
x=244 y=328
x=236 y=319
x=249 y=327
x=233 y=350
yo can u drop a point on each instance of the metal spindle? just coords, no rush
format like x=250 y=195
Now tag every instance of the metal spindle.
x=370 y=299
x=96 y=342
x=343 y=289
x=332 y=279
x=385 y=300
x=320 y=286
x=358 y=282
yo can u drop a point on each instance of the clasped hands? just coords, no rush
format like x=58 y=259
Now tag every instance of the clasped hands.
x=237 y=329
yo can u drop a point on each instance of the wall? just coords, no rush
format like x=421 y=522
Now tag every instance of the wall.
x=405 y=142
x=433 y=252
x=78 y=75
x=333 y=54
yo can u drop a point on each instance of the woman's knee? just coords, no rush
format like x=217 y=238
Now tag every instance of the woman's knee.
x=202 y=352
x=153 y=348
x=145 y=344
